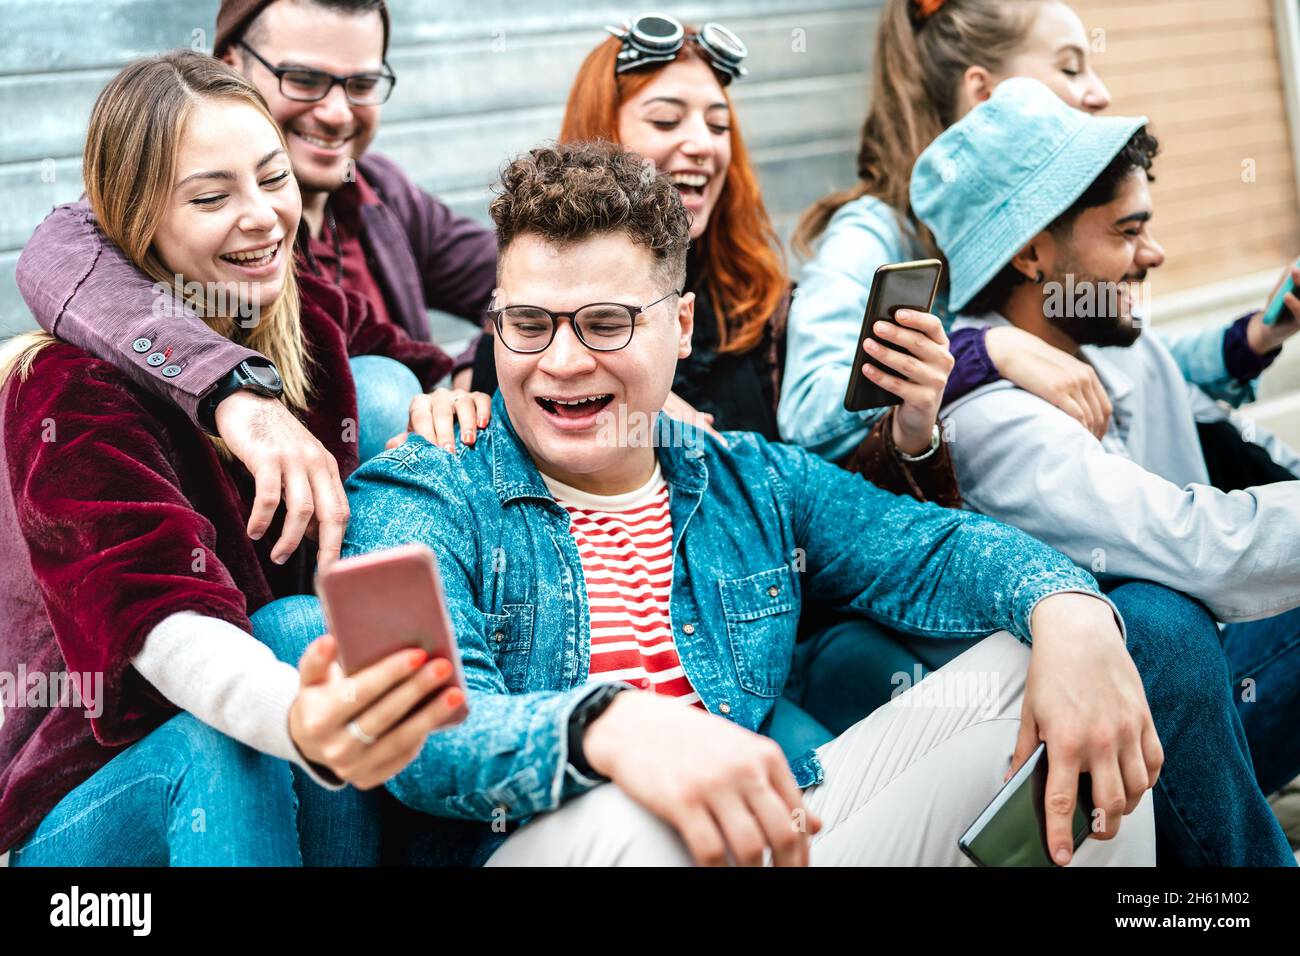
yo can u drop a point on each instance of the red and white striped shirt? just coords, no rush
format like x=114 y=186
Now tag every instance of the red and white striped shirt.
x=626 y=545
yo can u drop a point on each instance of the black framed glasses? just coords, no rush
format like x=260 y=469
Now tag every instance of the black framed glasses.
x=600 y=326
x=310 y=86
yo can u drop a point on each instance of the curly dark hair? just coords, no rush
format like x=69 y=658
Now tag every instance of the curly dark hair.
x=569 y=192
x=1138 y=153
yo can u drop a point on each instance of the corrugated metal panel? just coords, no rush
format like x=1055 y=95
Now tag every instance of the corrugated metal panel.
x=480 y=80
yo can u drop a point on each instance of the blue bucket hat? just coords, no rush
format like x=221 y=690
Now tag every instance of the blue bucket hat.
x=1003 y=172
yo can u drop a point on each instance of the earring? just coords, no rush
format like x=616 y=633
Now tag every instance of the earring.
x=1038 y=277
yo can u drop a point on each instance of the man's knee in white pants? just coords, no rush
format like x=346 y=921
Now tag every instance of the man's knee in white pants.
x=604 y=827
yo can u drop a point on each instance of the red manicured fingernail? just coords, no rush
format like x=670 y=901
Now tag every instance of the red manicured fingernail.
x=454 y=698
x=442 y=668
x=416 y=658
x=482 y=422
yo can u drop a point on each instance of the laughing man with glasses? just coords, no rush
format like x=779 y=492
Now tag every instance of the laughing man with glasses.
x=626 y=610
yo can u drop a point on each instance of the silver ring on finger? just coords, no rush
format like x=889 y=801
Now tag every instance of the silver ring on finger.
x=358 y=734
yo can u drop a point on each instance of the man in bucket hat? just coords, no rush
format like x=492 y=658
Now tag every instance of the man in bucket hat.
x=1042 y=212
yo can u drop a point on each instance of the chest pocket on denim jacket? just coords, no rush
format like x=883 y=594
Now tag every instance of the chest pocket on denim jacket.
x=762 y=616
x=510 y=636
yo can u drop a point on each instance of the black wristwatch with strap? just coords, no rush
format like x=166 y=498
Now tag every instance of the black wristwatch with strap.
x=258 y=376
x=582 y=717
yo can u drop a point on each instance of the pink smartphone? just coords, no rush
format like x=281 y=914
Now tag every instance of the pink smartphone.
x=379 y=603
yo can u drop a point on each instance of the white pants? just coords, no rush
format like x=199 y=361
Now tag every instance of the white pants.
x=900 y=786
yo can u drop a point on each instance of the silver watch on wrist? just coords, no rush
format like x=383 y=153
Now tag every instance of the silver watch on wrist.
x=936 y=439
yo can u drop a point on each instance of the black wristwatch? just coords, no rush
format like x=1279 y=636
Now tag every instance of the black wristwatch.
x=259 y=376
x=581 y=719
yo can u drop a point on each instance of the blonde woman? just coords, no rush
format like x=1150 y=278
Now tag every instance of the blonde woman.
x=128 y=576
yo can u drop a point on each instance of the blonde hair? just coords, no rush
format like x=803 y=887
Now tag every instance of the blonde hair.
x=19 y=351
x=916 y=73
x=128 y=168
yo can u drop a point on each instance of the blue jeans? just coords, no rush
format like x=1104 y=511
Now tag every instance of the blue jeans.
x=184 y=795
x=340 y=828
x=335 y=827
x=1265 y=660
x=189 y=795
x=1209 y=807
x=385 y=388
x=352 y=827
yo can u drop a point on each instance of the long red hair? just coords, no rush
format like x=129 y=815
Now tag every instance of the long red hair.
x=741 y=254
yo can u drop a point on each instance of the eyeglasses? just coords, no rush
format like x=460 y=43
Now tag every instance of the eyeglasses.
x=658 y=38
x=310 y=86
x=600 y=326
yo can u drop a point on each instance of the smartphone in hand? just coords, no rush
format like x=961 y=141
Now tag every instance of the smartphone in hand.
x=379 y=603
x=1012 y=830
x=896 y=285
x=1277 y=305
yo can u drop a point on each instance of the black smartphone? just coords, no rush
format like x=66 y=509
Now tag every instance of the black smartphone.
x=1012 y=830
x=896 y=285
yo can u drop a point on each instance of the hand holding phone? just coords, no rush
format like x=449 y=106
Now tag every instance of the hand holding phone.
x=366 y=728
x=1277 y=305
x=895 y=286
x=380 y=603
x=904 y=359
x=1012 y=829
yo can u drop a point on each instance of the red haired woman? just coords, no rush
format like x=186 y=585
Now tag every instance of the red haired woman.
x=672 y=107
x=661 y=90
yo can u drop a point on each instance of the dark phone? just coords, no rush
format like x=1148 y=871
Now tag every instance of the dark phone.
x=896 y=285
x=1012 y=830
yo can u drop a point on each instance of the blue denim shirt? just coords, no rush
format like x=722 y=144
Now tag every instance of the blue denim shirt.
x=758 y=529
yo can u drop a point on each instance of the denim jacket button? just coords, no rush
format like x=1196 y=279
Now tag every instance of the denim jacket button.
x=688 y=629
x=724 y=708
x=773 y=591
x=499 y=636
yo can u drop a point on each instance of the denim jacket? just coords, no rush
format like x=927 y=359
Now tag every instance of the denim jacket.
x=758 y=528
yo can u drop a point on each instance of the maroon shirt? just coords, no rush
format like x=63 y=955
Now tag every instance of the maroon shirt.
x=345 y=264
x=101 y=523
